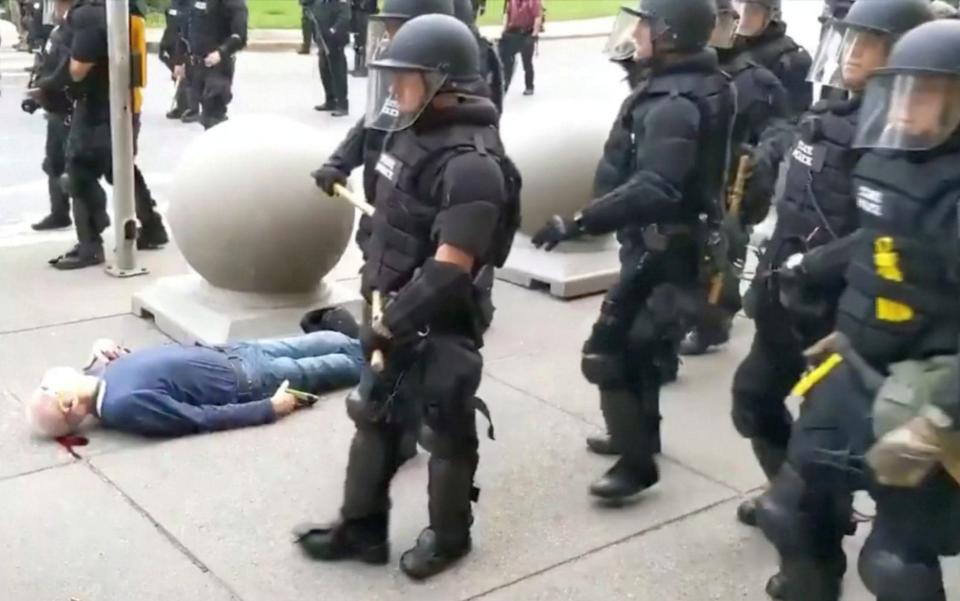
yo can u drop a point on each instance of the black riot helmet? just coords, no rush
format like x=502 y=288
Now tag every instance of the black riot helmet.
x=851 y=47
x=395 y=13
x=463 y=10
x=913 y=103
x=428 y=55
x=756 y=16
x=725 y=32
x=658 y=26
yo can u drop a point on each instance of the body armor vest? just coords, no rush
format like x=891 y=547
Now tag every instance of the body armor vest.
x=56 y=57
x=408 y=200
x=207 y=27
x=901 y=300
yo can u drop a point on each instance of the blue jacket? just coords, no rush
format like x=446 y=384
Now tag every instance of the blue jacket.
x=175 y=390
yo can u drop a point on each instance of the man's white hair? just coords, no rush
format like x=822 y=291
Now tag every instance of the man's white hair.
x=43 y=410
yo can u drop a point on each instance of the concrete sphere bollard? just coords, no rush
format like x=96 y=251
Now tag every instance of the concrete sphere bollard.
x=245 y=212
x=557 y=152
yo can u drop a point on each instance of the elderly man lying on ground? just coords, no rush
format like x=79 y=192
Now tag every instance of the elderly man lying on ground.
x=174 y=390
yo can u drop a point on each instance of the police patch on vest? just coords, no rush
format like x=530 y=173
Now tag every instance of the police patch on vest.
x=811 y=155
x=870 y=201
x=200 y=5
x=388 y=167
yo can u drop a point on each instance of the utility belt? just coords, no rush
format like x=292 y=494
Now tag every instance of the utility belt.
x=657 y=236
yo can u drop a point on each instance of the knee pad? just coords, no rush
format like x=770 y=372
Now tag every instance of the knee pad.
x=65 y=185
x=603 y=370
x=891 y=576
x=778 y=511
x=362 y=409
x=450 y=443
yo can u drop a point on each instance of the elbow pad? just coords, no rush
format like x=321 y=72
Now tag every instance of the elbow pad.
x=436 y=285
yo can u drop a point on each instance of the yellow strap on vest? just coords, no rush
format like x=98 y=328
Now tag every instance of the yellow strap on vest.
x=813 y=378
x=138 y=61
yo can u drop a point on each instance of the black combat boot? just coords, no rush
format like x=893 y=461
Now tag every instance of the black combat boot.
x=633 y=431
x=80 y=256
x=771 y=457
x=447 y=539
x=52 y=222
x=808 y=578
x=152 y=235
x=602 y=444
x=190 y=116
x=364 y=539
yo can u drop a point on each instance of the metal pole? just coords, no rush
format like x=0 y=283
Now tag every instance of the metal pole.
x=121 y=137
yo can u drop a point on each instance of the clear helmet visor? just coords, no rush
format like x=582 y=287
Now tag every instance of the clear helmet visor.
x=908 y=111
x=826 y=67
x=397 y=97
x=380 y=31
x=846 y=56
x=725 y=32
x=48 y=10
x=754 y=18
x=621 y=44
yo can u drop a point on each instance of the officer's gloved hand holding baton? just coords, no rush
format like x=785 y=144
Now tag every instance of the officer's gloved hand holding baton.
x=327 y=177
x=558 y=229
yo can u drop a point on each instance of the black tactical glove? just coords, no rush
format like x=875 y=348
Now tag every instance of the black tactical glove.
x=759 y=189
x=556 y=231
x=327 y=176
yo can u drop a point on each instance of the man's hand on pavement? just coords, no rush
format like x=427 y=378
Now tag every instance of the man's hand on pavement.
x=107 y=350
x=283 y=402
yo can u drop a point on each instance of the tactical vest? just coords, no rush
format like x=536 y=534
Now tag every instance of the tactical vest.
x=760 y=97
x=712 y=94
x=408 y=200
x=817 y=205
x=901 y=300
x=206 y=26
x=56 y=56
x=774 y=54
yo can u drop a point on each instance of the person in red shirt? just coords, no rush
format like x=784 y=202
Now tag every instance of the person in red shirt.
x=522 y=23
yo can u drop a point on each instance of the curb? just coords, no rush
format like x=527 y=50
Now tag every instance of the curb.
x=292 y=45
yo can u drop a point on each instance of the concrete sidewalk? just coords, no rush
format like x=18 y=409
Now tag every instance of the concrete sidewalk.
x=276 y=40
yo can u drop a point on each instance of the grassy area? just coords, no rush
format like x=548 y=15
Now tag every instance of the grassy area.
x=285 y=14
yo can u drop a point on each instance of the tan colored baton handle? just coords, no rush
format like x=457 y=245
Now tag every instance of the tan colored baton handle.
x=357 y=202
x=376 y=310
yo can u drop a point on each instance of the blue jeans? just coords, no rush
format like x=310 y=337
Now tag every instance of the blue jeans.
x=316 y=362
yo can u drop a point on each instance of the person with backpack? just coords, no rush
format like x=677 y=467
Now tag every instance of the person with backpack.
x=446 y=209
x=522 y=24
x=660 y=178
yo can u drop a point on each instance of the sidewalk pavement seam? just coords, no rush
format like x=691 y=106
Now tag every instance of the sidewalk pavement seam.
x=173 y=540
x=63 y=323
x=582 y=419
x=45 y=468
x=609 y=545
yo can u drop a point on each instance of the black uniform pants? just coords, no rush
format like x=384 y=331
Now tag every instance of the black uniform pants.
x=211 y=88
x=715 y=318
x=88 y=159
x=431 y=386
x=773 y=365
x=55 y=163
x=306 y=27
x=512 y=42
x=333 y=70
x=359 y=21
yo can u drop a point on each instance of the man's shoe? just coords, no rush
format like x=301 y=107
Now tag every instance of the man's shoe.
x=303 y=50
x=624 y=480
x=425 y=559
x=341 y=111
x=747 y=513
x=777 y=587
x=152 y=236
x=175 y=113
x=190 y=116
x=52 y=222
x=528 y=92
x=78 y=258
x=325 y=107
x=601 y=445
x=693 y=344
x=363 y=540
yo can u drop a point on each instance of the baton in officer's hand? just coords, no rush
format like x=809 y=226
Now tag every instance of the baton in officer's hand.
x=358 y=203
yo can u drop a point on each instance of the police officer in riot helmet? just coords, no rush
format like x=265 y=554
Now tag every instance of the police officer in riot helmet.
x=761 y=99
x=817 y=207
x=490 y=66
x=660 y=177
x=184 y=100
x=214 y=31
x=447 y=206
x=763 y=35
x=899 y=306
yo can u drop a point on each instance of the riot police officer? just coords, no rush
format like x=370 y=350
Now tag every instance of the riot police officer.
x=490 y=66
x=48 y=90
x=360 y=12
x=447 y=206
x=763 y=35
x=900 y=305
x=215 y=31
x=817 y=207
x=661 y=174
x=176 y=19
x=761 y=98
x=89 y=154
x=332 y=31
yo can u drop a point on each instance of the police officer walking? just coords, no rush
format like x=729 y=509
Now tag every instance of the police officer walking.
x=763 y=35
x=490 y=66
x=447 y=206
x=661 y=173
x=761 y=98
x=173 y=36
x=817 y=207
x=215 y=31
x=306 y=26
x=899 y=309
x=49 y=91
x=332 y=31
x=89 y=144
x=360 y=11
